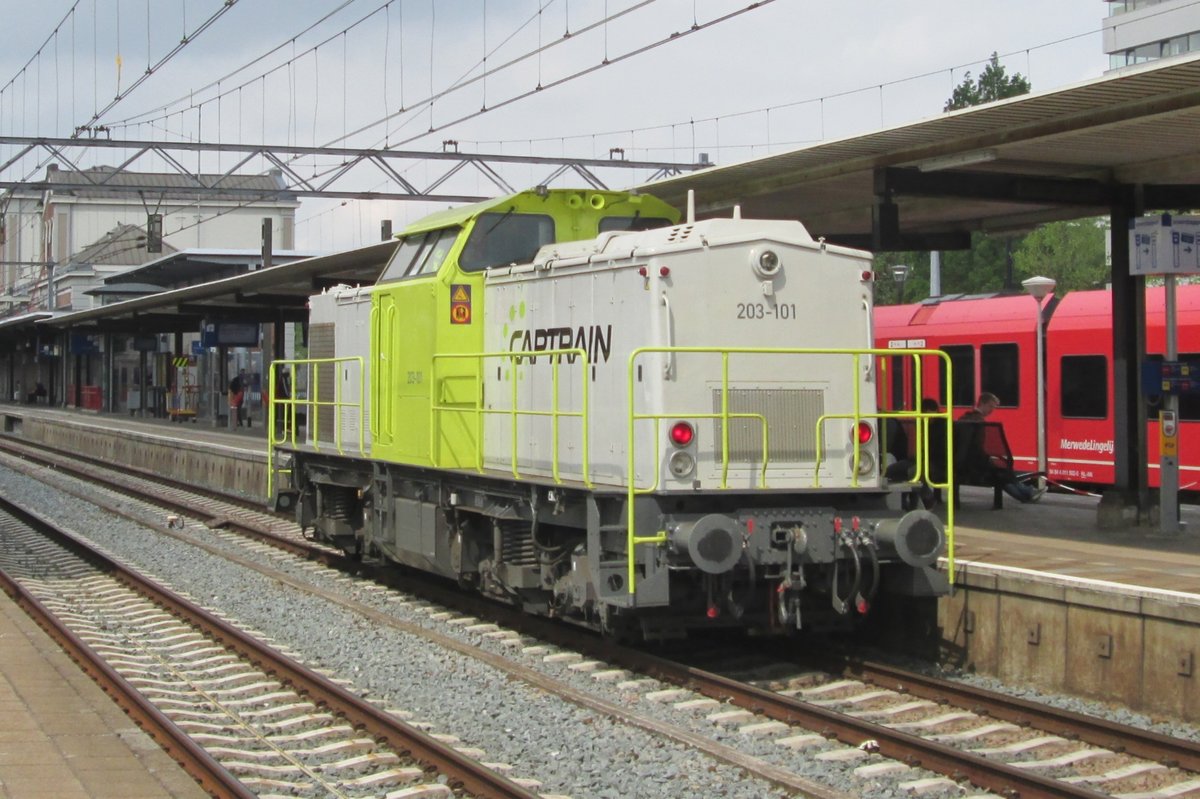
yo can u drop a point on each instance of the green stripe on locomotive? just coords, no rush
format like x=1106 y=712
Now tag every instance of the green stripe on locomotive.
x=430 y=301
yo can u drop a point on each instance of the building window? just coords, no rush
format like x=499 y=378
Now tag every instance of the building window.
x=1175 y=46
x=1147 y=52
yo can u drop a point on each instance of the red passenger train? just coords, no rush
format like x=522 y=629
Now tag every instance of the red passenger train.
x=992 y=344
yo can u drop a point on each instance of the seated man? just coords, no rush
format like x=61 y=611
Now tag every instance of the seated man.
x=979 y=461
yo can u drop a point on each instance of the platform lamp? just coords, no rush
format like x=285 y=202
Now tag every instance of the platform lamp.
x=900 y=274
x=1040 y=288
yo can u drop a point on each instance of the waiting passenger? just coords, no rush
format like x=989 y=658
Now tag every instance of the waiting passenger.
x=987 y=403
x=38 y=394
x=982 y=467
x=237 y=398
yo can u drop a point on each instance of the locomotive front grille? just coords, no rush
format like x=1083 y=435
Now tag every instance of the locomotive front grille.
x=791 y=416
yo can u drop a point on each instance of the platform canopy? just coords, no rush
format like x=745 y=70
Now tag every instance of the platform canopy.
x=1009 y=165
x=276 y=294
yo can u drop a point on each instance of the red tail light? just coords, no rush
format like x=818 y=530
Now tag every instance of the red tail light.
x=682 y=434
x=864 y=432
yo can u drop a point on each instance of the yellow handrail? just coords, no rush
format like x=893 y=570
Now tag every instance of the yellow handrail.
x=514 y=412
x=289 y=405
x=856 y=415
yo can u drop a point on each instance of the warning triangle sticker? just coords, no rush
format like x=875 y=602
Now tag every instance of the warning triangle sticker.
x=460 y=294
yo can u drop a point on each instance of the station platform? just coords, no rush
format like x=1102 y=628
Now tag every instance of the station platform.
x=60 y=734
x=1041 y=594
x=1059 y=535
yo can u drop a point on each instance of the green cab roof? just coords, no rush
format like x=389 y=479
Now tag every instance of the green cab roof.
x=529 y=201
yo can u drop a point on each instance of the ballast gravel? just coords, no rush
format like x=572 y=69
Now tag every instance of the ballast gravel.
x=570 y=750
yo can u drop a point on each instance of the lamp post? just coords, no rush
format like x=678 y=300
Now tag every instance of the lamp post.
x=1040 y=287
x=900 y=274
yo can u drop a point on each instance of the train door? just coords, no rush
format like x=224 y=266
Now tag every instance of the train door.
x=404 y=321
x=1079 y=438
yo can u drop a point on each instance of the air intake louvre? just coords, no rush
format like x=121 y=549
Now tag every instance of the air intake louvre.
x=321 y=345
x=791 y=416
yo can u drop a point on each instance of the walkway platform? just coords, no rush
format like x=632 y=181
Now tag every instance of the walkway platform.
x=62 y=737
x=1059 y=535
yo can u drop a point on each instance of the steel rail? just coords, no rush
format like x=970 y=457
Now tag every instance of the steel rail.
x=192 y=757
x=1099 y=732
x=464 y=773
x=1002 y=778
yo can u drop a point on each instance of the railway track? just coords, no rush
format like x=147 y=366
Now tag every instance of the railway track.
x=1007 y=746
x=243 y=717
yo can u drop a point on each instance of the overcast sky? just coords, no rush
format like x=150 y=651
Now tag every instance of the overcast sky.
x=824 y=70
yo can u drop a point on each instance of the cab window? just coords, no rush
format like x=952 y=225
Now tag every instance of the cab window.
x=499 y=239
x=420 y=253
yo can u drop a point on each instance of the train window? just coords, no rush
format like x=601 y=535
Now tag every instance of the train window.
x=433 y=252
x=1084 y=387
x=632 y=223
x=895 y=366
x=417 y=253
x=962 y=363
x=507 y=238
x=1189 y=404
x=998 y=372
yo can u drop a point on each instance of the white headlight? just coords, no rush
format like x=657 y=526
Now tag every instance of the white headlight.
x=681 y=464
x=866 y=463
x=765 y=263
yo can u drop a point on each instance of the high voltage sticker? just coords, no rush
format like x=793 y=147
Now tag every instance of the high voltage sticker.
x=460 y=304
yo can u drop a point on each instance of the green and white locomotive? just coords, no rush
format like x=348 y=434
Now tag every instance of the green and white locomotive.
x=572 y=401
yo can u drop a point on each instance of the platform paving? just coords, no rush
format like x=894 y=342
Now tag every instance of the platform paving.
x=62 y=737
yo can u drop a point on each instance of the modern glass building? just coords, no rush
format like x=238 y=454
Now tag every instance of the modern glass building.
x=1137 y=31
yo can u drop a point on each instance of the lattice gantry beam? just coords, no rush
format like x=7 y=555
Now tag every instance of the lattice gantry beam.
x=331 y=172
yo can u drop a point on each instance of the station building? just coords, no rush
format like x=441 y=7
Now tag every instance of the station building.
x=72 y=249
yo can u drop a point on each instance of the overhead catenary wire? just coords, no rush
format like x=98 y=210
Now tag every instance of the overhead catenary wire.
x=188 y=100
x=37 y=53
x=151 y=70
x=624 y=56
x=588 y=70
x=820 y=100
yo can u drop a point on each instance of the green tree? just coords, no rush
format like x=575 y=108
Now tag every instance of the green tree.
x=993 y=83
x=984 y=267
x=1070 y=252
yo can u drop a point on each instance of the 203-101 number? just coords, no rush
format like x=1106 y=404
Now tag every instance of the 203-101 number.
x=760 y=310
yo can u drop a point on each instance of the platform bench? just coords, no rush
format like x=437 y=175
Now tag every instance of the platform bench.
x=982 y=457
